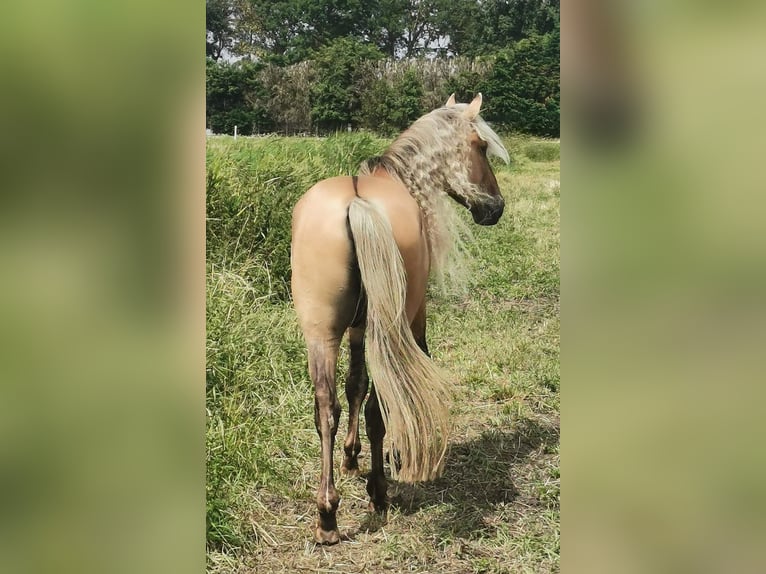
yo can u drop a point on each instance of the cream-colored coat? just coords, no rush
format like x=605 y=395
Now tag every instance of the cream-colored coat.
x=360 y=263
x=324 y=288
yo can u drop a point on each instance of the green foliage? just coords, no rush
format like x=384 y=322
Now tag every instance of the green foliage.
x=270 y=30
x=333 y=19
x=385 y=25
x=350 y=83
x=503 y=23
x=336 y=97
x=464 y=84
x=252 y=185
x=523 y=89
x=542 y=151
x=388 y=108
x=233 y=94
x=285 y=32
x=461 y=22
x=218 y=15
x=290 y=31
x=320 y=65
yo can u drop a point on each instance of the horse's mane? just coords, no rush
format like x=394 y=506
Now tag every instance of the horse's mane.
x=429 y=158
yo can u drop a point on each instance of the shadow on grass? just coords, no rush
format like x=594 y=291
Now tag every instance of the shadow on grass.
x=477 y=477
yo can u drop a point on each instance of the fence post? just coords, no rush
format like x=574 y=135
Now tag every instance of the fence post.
x=235 y=132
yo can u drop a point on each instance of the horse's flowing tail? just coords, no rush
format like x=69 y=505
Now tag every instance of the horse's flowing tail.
x=413 y=393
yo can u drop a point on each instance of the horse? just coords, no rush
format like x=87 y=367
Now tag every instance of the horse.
x=362 y=250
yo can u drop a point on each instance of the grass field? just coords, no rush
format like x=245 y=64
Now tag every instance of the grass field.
x=496 y=509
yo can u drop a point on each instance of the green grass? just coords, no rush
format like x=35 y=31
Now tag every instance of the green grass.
x=542 y=151
x=496 y=509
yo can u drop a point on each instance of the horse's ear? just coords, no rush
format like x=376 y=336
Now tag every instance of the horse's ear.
x=450 y=101
x=473 y=108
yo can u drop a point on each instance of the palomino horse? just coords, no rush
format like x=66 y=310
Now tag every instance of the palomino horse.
x=362 y=251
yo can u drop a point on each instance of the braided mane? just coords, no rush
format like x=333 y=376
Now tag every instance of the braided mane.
x=429 y=158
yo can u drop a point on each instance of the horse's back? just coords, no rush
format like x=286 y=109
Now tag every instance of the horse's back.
x=324 y=278
x=330 y=198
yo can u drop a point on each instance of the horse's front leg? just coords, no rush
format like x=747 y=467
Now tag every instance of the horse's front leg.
x=356 y=388
x=322 y=363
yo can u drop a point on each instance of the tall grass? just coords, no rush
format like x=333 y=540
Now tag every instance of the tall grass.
x=252 y=184
x=262 y=449
x=256 y=383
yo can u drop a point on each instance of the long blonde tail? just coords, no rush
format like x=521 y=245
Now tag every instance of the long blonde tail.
x=414 y=394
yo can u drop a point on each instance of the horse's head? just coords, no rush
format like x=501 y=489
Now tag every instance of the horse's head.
x=487 y=205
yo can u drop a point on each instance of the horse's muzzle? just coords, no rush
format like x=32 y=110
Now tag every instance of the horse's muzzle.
x=489 y=212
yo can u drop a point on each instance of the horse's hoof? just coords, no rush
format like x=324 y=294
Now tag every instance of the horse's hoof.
x=378 y=507
x=349 y=471
x=326 y=537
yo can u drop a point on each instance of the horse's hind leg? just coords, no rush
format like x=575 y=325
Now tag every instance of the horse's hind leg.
x=356 y=388
x=322 y=361
x=377 y=486
x=419 y=328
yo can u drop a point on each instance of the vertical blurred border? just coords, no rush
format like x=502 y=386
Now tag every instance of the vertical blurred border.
x=102 y=287
x=664 y=286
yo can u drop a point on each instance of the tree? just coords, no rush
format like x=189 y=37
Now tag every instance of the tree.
x=234 y=98
x=402 y=28
x=383 y=25
x=505 y=22
x=388 y=108
x=218 y=23
x=335 y=97
x=327 y=20
x=510 y=46
x=523 y=89
x=267 y=29
x=289 y=31
x=465 y=84
x=420 y=32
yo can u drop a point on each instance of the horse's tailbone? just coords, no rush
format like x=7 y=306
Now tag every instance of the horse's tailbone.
x=413 y=393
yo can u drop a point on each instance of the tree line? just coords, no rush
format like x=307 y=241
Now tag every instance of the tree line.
x=317 y=66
